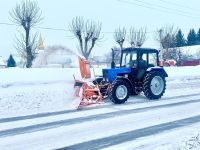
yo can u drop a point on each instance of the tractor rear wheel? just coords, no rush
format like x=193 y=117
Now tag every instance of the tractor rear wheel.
x=119 y=91
x=154 y=85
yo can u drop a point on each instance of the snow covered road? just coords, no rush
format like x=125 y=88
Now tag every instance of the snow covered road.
x=26 y=126
x=101 y=127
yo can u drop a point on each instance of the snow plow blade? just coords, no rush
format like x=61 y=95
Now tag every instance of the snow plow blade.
x=85 y=90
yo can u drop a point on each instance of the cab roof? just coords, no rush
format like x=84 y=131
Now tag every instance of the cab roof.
x=143 y=50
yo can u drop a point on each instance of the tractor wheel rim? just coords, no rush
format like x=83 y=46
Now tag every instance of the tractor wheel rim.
x=157 y=85
x=121 y=92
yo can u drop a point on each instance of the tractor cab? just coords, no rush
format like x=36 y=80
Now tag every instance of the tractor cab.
x=139 y=58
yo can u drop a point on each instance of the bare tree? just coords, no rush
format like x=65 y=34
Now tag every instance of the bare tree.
x=87 y=33
x=120 y=36
x=27 y=14
x=137 y=38
x=166 y=37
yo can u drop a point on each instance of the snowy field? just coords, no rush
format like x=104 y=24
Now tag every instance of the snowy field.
x=37 y=112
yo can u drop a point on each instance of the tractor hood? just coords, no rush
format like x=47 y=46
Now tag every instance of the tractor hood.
x=111 y=73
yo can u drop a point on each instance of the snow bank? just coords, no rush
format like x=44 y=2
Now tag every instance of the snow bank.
x=18 y=76
x=51 y=75
x=36 y=90
x=183 y=71
x=18 y=100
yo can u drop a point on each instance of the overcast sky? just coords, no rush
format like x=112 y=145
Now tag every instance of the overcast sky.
x=152 y=14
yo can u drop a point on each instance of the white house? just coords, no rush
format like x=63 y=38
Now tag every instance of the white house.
x=193 y=51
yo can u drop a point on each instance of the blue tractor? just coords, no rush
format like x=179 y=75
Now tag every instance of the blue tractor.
x=139 y=71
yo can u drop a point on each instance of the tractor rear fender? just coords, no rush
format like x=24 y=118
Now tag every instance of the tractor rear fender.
x=160 y=69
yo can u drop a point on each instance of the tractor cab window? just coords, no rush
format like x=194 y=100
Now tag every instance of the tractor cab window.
x=126 y=59
x=152 y=59
x=129 y=59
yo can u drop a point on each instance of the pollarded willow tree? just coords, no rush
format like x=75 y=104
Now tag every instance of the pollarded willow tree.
x=120 y=36
x=136 y=38
x=166 y=36
x=87 y=34
x=27 y=14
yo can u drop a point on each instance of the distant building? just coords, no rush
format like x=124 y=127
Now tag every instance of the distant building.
x=190 y=62
x=99 y=61
x=2 y=63
x=192 y=54
x=192 y=51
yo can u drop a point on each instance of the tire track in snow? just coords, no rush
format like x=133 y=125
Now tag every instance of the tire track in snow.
x=19 y=118
x=132 y=135
x=56 y=124
x=180 y=85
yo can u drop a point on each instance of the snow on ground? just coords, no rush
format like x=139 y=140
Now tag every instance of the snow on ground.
x=26 y=92
x=36 y=90
x=29 y=91
x=20 y=76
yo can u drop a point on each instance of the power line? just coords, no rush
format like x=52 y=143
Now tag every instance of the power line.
x=179 y=5
x=46 y=28
x=9 y=24
x=167 y=8
x=49 y=28
x=61 y=29
x=156 y=8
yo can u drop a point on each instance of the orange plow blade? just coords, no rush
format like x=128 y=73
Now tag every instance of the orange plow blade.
x=88 y=92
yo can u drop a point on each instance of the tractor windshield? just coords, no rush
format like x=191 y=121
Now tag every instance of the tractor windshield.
x=129 y=59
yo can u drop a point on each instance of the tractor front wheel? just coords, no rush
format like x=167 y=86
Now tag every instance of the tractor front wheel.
x=119 y=91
